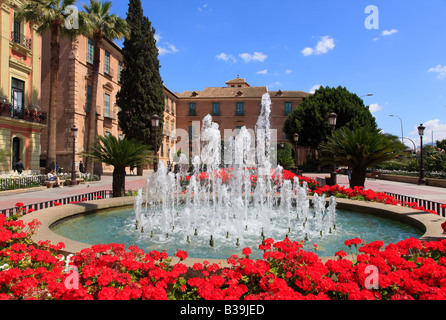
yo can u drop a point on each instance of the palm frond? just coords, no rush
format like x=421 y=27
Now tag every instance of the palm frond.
x=119 y=152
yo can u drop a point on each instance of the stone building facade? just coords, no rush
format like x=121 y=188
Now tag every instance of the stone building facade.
x=75 y=85
x=21 y=118
x=234 y=106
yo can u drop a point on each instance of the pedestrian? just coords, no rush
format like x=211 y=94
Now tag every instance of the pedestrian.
x=54 y=178
x=81 y=167
x=19 y=166
x=57 y=168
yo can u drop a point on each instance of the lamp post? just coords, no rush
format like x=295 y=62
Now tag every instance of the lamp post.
x=296 y=155
x=73 y=168
x=333 y=118
x=155 y=125
x=421 y=180
x=402 y=130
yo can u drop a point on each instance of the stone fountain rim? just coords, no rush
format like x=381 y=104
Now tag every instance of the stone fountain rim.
x=426 y=222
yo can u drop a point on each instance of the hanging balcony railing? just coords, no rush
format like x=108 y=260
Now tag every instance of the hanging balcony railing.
x=21 y=39
x=7 y=110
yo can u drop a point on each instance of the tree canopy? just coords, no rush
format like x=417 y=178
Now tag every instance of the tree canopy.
x=359 y=149
x=141 y=94
x=310 y=119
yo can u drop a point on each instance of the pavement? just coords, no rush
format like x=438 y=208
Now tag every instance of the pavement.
x=8 y=199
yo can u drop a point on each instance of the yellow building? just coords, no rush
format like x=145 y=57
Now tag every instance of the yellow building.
x=21 y=120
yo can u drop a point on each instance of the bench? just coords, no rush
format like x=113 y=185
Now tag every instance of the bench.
x=51 y=184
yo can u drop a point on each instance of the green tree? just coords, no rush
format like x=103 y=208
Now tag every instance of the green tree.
x=119 y=153
x=52 y=16
x=142 y=91
x=441 y=144
x=102 y=24
x=285 y=156
x=359 y=149
x=310 y=119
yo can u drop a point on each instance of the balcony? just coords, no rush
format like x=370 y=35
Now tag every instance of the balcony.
x=6 y=110
x=20 y=39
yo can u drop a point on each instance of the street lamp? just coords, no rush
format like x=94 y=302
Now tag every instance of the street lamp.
x=333 y=118
x=296 y=156
x=155 y=125
x=402 y=130
x=421 y=180
x=73 y=168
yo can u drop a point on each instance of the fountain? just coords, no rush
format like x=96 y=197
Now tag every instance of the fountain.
x=218 y=210
x=213 y=212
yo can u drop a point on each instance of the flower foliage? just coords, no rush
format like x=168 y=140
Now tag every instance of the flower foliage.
x=408 y=270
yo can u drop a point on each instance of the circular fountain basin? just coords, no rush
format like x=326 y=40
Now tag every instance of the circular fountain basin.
x=118 y=226
x=428 y=224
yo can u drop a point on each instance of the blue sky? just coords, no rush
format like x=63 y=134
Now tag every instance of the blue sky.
x=299 y=45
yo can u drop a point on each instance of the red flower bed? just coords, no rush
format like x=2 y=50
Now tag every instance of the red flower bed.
x=359 y=193
x=407 y=270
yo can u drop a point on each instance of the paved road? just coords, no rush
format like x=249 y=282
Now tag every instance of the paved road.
x=37 y=195
x=8 y=199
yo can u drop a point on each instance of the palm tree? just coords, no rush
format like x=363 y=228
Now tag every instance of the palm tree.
x=119 y=153
x=102 y=25
x=51 y=15
x=360 y=149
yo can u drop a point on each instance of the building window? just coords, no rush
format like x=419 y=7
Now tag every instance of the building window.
x=90 y=50
x=88 y=98
x=171 y=107
x=239 y=110
x=192 y=109
x=216 y=109
x=288 y=108
x=107 y=62
x=18 y=97
x=162 y=149
x=120 y=71
x=107 y=106
x=107 y=133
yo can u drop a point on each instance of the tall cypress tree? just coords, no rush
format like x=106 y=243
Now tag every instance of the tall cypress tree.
x=141 y=94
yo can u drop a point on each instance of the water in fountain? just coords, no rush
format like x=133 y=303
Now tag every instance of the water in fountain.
x=212 y=210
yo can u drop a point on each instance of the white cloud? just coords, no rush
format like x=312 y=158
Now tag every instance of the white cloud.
x=314 y=88
x=265 y=72
x=435 y=126
x=324 y=45
x=257 y=56
x=389 y=32
x=203 y=7
x=441 y=70
x=164 y=47
x=288 y=71
x=275 y=84
x=307 y=51
x=226 y=57
x=167 y=49
x=375 y=107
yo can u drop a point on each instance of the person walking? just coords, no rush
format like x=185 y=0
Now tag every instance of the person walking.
x=19 y=167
